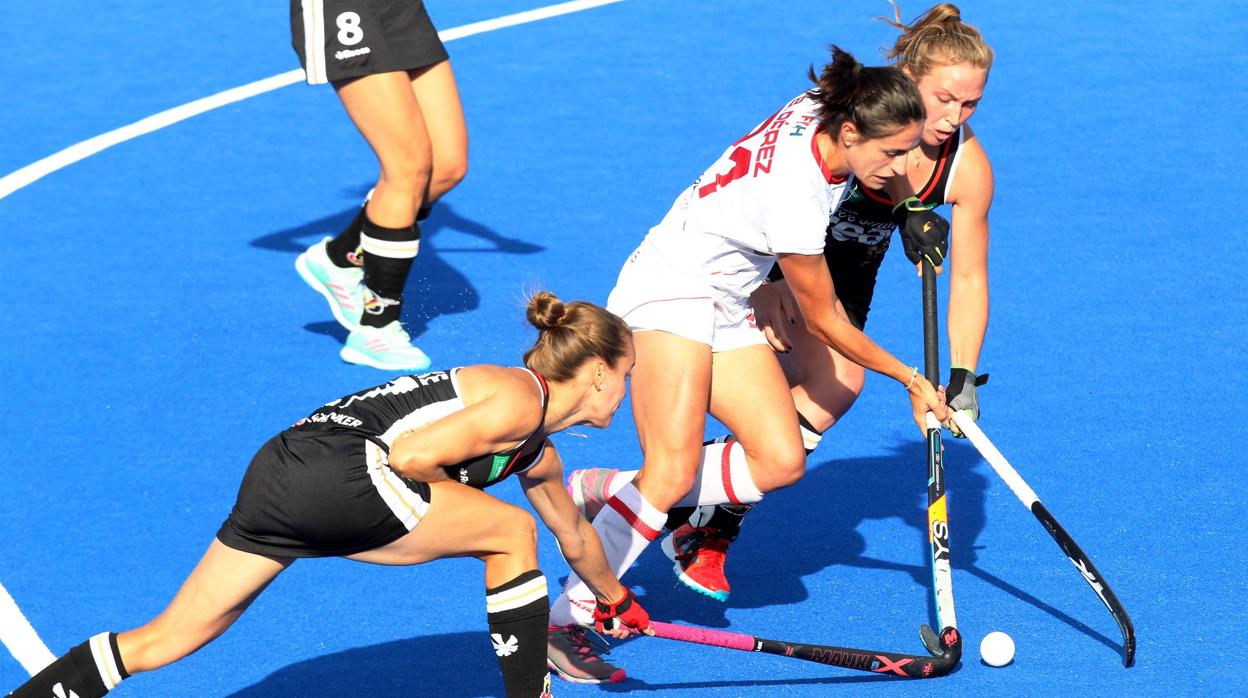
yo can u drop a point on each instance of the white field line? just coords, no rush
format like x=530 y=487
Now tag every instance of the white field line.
x=35 y=171
x=15 y=631
x=21 y=639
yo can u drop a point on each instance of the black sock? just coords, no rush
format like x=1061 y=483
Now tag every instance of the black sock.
x=727 y=519
x=518 y=613
x=89 y=670
x=724 y=518
x=678 y=516
x=388 y=256
x=344 y=251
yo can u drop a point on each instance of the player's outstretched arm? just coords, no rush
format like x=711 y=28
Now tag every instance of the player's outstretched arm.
x=971 y=195
x=543 y=485
x=816 y=297
x=499 y=421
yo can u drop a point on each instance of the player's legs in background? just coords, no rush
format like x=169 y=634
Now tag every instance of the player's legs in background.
x=438 y=96
x=384 y=109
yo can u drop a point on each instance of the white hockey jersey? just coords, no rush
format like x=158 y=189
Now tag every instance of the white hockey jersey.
x=769 y=193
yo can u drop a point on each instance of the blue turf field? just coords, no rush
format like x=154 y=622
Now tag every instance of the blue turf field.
x=155 y=334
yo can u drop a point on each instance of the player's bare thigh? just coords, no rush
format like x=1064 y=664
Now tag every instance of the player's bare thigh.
x=386 y=112
x=438 y=96
x=220 y=588
x=750 y=396
x=825 y=384
x=464 y=522
x=670 y=386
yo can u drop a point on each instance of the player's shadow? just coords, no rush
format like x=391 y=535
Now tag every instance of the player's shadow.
x=824 y=512
x=455 y=665
x=631 y=684
x=434 y=288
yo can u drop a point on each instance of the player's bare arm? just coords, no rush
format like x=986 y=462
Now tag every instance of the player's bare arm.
x=971 y=196
x=489 y=423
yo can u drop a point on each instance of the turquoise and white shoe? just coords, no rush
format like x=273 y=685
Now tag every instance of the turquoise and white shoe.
x=388 y=348
x=342 y=288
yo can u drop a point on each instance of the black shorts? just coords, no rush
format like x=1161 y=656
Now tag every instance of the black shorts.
x=341 y=39
x=853 y=267
x=321 y=493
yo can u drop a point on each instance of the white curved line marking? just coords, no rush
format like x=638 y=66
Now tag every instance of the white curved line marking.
x=35 y=171
x=21 y=639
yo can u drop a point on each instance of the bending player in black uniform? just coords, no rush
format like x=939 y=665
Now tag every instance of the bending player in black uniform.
x=393 y=475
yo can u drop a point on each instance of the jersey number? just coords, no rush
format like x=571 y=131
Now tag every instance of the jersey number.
x=349 y=31
x=741 y=158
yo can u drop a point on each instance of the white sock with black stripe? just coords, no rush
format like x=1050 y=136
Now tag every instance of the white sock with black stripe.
x=518 y=613
x=625 y=526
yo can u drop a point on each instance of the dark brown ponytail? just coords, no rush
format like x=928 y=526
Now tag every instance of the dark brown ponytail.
x=877 y=101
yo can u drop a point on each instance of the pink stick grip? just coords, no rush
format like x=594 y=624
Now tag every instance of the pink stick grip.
x=703 y=636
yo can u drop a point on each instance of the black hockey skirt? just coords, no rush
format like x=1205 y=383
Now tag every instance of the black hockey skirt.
x=854 y=267
x=341 y=39
x=322 y=493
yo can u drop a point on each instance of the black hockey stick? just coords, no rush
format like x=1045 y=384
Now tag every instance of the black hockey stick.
x=945 y=650
x=937 y=509
x=1029 y=499
x=945 y=656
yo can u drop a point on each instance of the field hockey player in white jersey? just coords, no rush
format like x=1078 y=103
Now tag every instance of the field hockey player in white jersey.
x=685 y=294
x=948 y=60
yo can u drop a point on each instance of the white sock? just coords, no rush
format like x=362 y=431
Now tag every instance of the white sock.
x=626 y=525
x=723 y=478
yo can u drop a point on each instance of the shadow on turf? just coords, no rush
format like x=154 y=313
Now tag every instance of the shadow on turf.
x=882 y=487
x=435 y=287
x=455 y=665
x=630 y=685
x=825 y=510
x=459 y=665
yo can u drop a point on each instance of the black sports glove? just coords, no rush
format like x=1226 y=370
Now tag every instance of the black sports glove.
x=924 y=233
x=960 y=393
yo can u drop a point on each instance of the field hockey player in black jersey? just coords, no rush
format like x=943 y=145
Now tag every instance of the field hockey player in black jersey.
x=395 y=475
